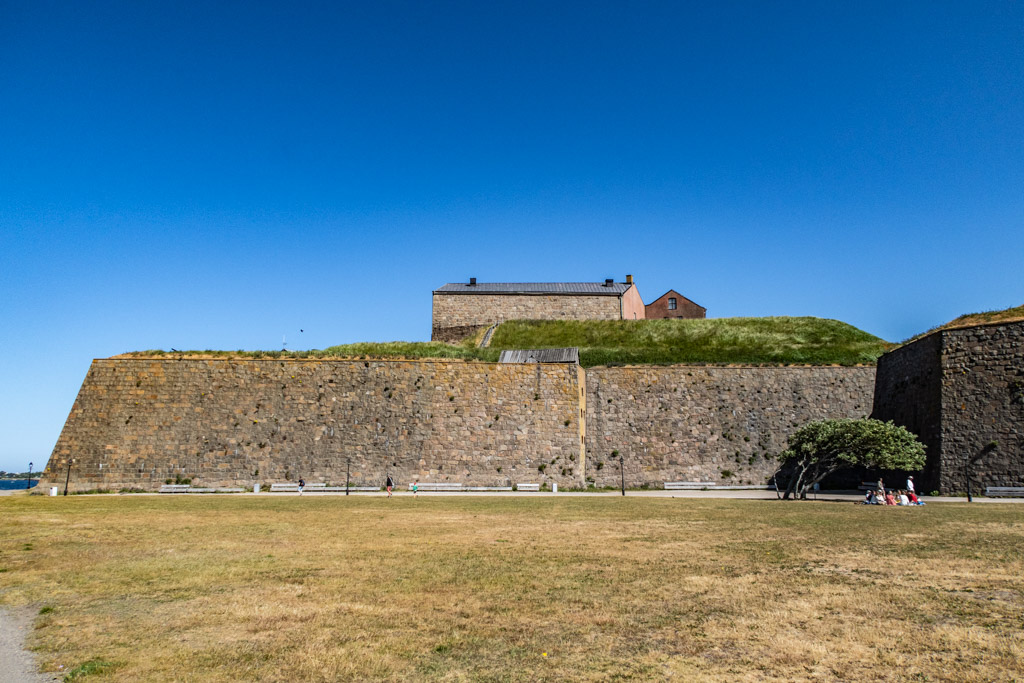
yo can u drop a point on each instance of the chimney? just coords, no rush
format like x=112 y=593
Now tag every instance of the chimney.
x=608 y=282
x=472 y=282
x=629 y=279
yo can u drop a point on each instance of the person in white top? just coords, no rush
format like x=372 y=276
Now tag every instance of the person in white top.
x=910 y=484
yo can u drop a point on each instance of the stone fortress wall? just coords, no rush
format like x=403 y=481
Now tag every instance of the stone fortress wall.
x=138 y=422
x=707 y=423
x=960 y=390
x=908 y=389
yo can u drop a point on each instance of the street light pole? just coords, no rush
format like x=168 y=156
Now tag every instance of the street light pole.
x=967 y=475
x=348 y=468
x=622 y=473
x=989 y=447
x=68 y=478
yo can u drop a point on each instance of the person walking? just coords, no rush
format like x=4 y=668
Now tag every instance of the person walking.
x=415 y=488
x=389 y=484
x=910 y=484
x=302 y=485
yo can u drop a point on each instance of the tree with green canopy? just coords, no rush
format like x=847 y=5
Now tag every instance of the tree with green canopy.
x=820 y=448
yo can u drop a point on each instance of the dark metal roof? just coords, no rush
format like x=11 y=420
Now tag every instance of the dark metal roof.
x=564 y=288
x=569 y=355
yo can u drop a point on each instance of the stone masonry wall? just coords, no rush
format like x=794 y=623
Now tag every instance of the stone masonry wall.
x=137 y=422
x=717 y=424
x=983 y=402
x=474 y=310
x=908 y=391
x=960 y=390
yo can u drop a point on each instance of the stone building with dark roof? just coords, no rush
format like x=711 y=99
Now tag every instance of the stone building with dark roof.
x=461 y=308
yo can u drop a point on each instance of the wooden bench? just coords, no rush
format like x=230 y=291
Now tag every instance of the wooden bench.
x=528 y=487
x=336 y=489
x=438 y=486
x=687 y=485
x=868 y=486
x=318 y=487
x=185 y=488
x=1005 y=491
x=487 y=488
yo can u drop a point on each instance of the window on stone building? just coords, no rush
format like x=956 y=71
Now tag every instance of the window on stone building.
x=671 y=303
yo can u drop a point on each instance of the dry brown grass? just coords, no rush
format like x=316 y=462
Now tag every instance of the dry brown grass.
x=288 y=588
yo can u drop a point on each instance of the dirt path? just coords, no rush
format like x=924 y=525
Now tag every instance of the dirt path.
x=16 y=663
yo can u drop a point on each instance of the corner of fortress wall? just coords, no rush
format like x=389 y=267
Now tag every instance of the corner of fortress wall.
x=138 y=422
x=960 y=390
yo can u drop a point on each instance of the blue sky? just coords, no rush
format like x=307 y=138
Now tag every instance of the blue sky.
x=222 y=175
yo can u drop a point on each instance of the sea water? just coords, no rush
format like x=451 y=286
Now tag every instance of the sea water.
x=10 y=484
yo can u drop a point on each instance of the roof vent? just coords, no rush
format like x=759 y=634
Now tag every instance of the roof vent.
x=472 y=282
x=608 y=282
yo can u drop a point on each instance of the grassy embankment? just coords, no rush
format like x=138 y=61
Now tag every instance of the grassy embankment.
x=1007 y=315
x=441 y=588
x=772 y=341
x=813 y=341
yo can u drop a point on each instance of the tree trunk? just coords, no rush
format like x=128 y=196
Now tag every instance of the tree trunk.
x=794 y=482
x=805 y=476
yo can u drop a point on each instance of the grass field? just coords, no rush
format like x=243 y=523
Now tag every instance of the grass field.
x=258 y=588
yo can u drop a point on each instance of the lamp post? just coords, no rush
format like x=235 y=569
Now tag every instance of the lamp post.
x=29 y=485
x=622 y=471
x=348 y=467
x=68 y=477
x=989 y=447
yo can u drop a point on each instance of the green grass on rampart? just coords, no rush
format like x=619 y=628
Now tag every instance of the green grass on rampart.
x=1006 y=315
x=767 y=341
x=368 y=350
x=414 y=350
x=779 y=340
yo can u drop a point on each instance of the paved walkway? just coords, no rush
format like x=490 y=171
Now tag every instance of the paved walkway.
x=833 y=496
x=16 y=663
x=837 y=496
